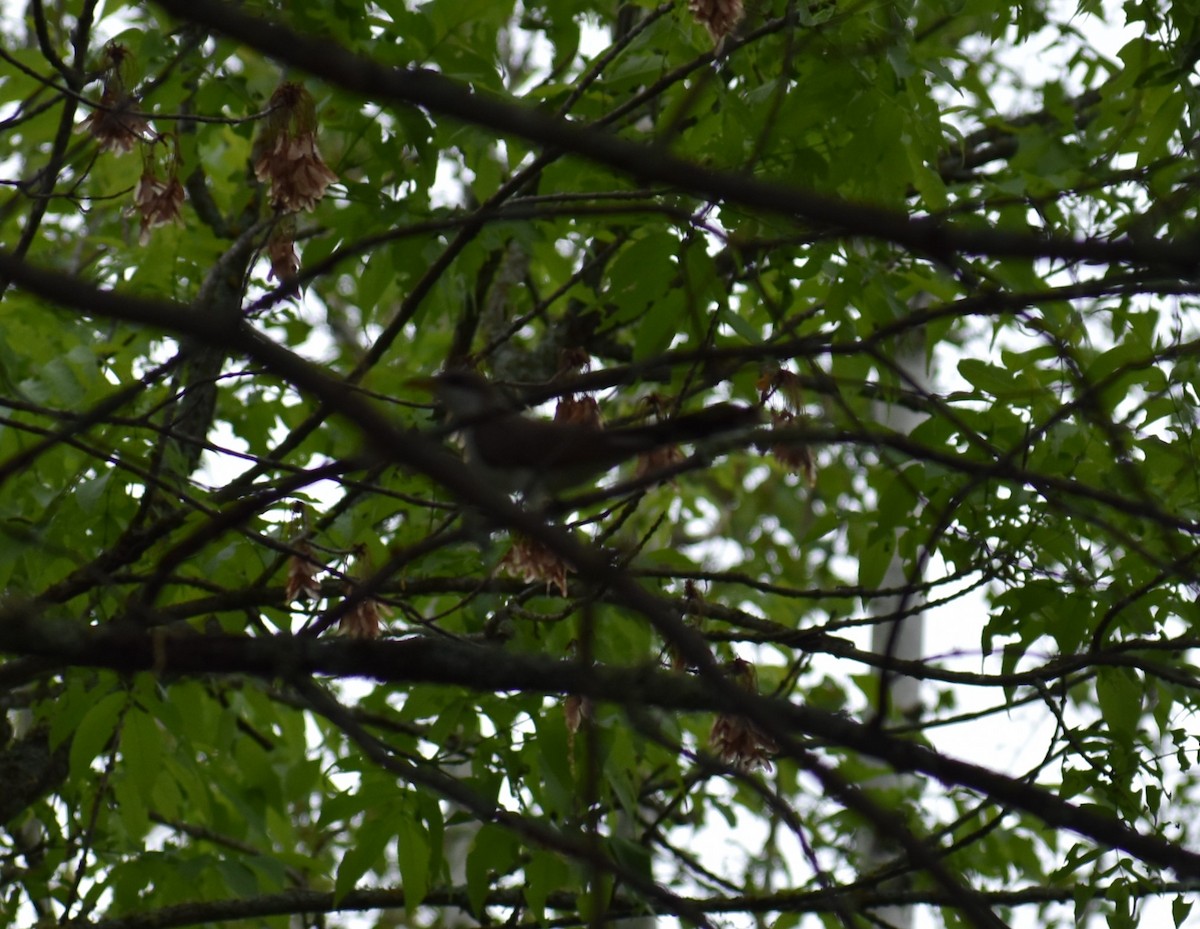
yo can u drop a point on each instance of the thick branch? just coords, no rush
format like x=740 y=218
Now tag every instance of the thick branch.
x=491 y=669
x=315 y=901
x=360 y=75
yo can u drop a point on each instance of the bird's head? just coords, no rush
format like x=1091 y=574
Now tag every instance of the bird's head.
x=464 y=394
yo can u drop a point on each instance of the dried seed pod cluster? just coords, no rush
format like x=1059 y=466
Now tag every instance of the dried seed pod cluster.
x=116 y=124
x=795 y=455
x=719 y=17
x=286 y=153
x=531 y=561
x=736 y=740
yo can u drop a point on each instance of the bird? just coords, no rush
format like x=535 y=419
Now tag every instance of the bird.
x=540 y=458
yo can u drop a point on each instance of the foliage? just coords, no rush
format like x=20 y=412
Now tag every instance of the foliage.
x=236 y=237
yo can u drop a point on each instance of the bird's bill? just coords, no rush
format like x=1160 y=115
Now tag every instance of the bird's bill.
x=422 y=383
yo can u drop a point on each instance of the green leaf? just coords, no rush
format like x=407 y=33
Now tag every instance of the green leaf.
x=632 y=287
x=545 y=873
x=1162 y=127
x=632 y=855
x=1119 y=693
x=1083 y=893
x=1180 y=908
x=990 y=379
x=873 y=562
x=413 y=858
x=492 y=853
x=142 y=749
x=735 y=322
x=70 y=708
x=1122 y=914
x=95 y=730
x=366 y=853
x=132 y=807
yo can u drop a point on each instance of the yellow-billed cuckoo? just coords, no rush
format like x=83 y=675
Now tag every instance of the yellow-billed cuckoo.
x=538 y=457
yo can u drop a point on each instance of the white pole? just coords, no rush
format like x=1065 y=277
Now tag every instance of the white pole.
x=901 y=638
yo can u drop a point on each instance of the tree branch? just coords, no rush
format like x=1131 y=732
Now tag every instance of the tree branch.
x=419 y=87
x=23 y=631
